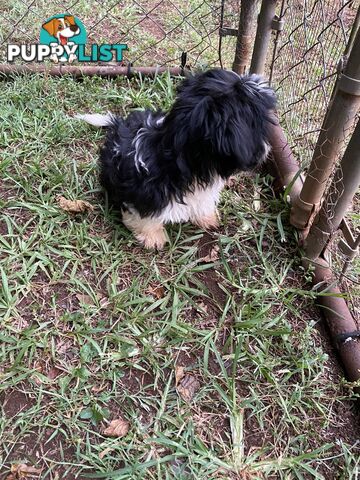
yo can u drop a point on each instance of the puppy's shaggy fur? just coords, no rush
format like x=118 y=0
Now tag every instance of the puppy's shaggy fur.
x=160 y=168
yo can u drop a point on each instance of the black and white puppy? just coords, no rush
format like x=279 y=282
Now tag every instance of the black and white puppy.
x=160 y=168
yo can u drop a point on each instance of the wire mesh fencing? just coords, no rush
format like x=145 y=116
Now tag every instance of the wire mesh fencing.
x=304 y=65
x=305 y=61
x=157 y=32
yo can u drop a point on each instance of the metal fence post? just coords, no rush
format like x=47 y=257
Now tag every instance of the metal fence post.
x=244 y=40
x=285 y=167
x=340 y=117
x=340 y=194
x=263 y=34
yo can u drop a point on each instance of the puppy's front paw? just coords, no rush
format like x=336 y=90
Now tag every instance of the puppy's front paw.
x=153 y=239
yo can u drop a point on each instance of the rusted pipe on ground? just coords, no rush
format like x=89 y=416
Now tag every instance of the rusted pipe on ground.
x=339 y=320
x=244 y=40
x=87 y=70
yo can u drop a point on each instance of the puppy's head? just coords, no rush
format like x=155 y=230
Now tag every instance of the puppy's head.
x=223 y=118
x=62 y=28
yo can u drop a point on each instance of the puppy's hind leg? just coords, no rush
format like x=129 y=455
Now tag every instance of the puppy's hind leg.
x=148 y=231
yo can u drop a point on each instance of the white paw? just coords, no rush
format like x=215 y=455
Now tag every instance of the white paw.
x=155 y=239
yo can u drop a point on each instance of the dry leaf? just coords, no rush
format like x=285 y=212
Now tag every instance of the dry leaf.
x=117 y=428
x=105 y=452
x=22 y=471
x=39 y=366
x=75 y=206
x=212 y=256
x=179 y=373
x=158 y=291
x=37 y=380
x=104 y=302
x=187 y=387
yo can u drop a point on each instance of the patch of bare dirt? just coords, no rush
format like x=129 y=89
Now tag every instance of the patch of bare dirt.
x=14 y=402
x=33 y=446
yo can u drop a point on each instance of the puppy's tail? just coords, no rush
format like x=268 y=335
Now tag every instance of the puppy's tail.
x=96 y=119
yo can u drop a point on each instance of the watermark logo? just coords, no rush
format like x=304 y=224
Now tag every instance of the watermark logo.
x=63 y=38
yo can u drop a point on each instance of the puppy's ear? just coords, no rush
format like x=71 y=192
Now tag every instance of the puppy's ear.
x=51 y=26
x=70 y=19
x=204 y=118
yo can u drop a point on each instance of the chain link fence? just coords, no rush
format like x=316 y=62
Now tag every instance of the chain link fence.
x=305 y=60
x=304 y=65
x=157 y=32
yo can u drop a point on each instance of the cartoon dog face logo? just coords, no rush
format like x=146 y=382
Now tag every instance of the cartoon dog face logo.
x=62 y=29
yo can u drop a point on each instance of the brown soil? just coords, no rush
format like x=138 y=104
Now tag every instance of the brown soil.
x=32 y=448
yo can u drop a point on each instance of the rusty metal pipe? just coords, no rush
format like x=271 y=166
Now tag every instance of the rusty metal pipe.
x=263 y=35
x=339 y=320
x=245 y=36
x=285 y=167
x=86 y=70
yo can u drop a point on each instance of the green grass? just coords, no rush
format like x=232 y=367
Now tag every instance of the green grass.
x=93 y=327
